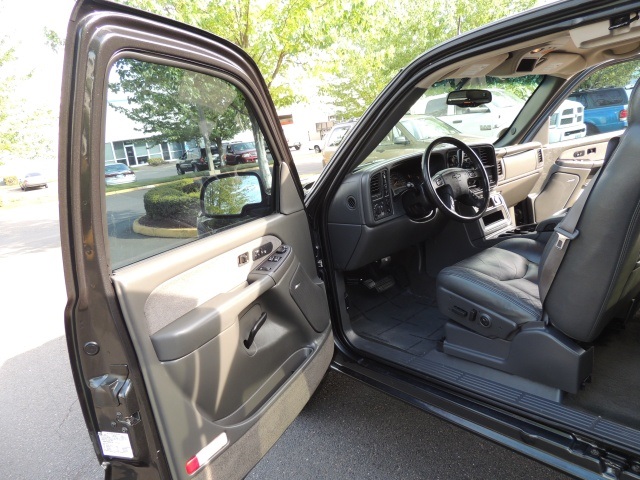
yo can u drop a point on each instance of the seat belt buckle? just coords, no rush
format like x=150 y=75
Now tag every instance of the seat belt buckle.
x=563 y=236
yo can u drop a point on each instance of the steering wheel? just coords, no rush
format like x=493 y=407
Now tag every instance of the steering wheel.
x=449 y=189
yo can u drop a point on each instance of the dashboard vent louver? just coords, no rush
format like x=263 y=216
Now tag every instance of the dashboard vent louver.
x=499 y=165
x=484 y=156
x=375 y=185
x=540 y=157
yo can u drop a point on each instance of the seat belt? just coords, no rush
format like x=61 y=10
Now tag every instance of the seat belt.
x=566 y=230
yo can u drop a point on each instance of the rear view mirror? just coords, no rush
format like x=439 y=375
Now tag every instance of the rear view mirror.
x=232 y=195
x=469 y=98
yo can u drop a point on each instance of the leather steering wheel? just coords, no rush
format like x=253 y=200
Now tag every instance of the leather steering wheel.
x=449 y=189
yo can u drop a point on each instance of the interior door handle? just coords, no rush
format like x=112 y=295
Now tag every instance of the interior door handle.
x=252 y=334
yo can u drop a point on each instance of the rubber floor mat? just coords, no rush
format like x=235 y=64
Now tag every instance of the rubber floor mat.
x=398 y=318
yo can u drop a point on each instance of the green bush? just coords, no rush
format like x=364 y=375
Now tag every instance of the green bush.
x=11 y=180
x=155 y=161
x=179 y=201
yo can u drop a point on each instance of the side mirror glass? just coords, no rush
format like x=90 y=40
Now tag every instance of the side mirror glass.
x=232 y=195
x=402 y=140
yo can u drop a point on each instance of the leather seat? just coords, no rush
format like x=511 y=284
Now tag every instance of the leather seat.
x=494 y=297
x=499 y=283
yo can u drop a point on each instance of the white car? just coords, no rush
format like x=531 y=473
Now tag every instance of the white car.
x=33 y=180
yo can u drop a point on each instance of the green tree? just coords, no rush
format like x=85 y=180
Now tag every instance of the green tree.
x=52 y=39
x=278 y=34
x=173 y=104
x=8 y=135
x=368 y=55
x=619 y=75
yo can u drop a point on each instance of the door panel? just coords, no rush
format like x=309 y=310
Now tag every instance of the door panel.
x=191 y=344
x=194 y=343
x=569 y=166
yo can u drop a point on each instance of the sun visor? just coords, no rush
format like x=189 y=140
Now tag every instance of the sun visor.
x=479 y=68
x=600 y=35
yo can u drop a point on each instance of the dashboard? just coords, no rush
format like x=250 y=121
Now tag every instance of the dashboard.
x=372 y=214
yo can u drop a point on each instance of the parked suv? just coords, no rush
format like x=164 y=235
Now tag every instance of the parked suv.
x=605 y=109
x=241 y=152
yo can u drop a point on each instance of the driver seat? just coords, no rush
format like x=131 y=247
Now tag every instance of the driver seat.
x=502 y=318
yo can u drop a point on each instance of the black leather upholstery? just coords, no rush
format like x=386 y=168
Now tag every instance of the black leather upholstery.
x=598 y=277
x=500 y=282
x=599 y=274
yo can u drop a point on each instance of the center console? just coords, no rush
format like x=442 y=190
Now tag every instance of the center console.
x=495 y=220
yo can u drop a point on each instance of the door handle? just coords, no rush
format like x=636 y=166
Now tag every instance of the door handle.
x=252 y=334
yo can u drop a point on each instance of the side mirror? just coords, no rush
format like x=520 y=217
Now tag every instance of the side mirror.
x=469 y=98
x=402 y=140
x=232 y=195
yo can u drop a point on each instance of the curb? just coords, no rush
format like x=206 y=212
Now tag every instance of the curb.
x=164 y=232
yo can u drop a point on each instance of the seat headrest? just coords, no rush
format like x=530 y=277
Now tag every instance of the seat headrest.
x=634 y=105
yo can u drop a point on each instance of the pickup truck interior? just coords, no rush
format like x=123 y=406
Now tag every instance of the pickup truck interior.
x=506 y=267
x=486 y=272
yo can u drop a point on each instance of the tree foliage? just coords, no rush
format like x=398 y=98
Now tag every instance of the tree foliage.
x=8 y=134
x=368 y=55
x=23 y=131
x=278 y=34
x=619 y=75
x=173 y=104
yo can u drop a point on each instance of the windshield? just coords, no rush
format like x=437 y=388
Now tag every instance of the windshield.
x=430 y=117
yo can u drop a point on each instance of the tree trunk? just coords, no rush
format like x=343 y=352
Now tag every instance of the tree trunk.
x=205 y=132
x=261 y=151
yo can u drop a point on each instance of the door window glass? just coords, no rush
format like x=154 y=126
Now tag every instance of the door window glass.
x=599 y=104
x=166 y=127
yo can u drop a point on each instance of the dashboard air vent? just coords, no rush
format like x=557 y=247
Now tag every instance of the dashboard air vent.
x=499 y=165
x=483 y=153
x=540 y=157
x=375 y=186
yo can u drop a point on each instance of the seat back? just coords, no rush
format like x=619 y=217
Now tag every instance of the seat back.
x=600 y=272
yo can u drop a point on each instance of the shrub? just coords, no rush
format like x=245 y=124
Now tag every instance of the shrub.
x=155 y=161
x=179 y=201
x=11 y=180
